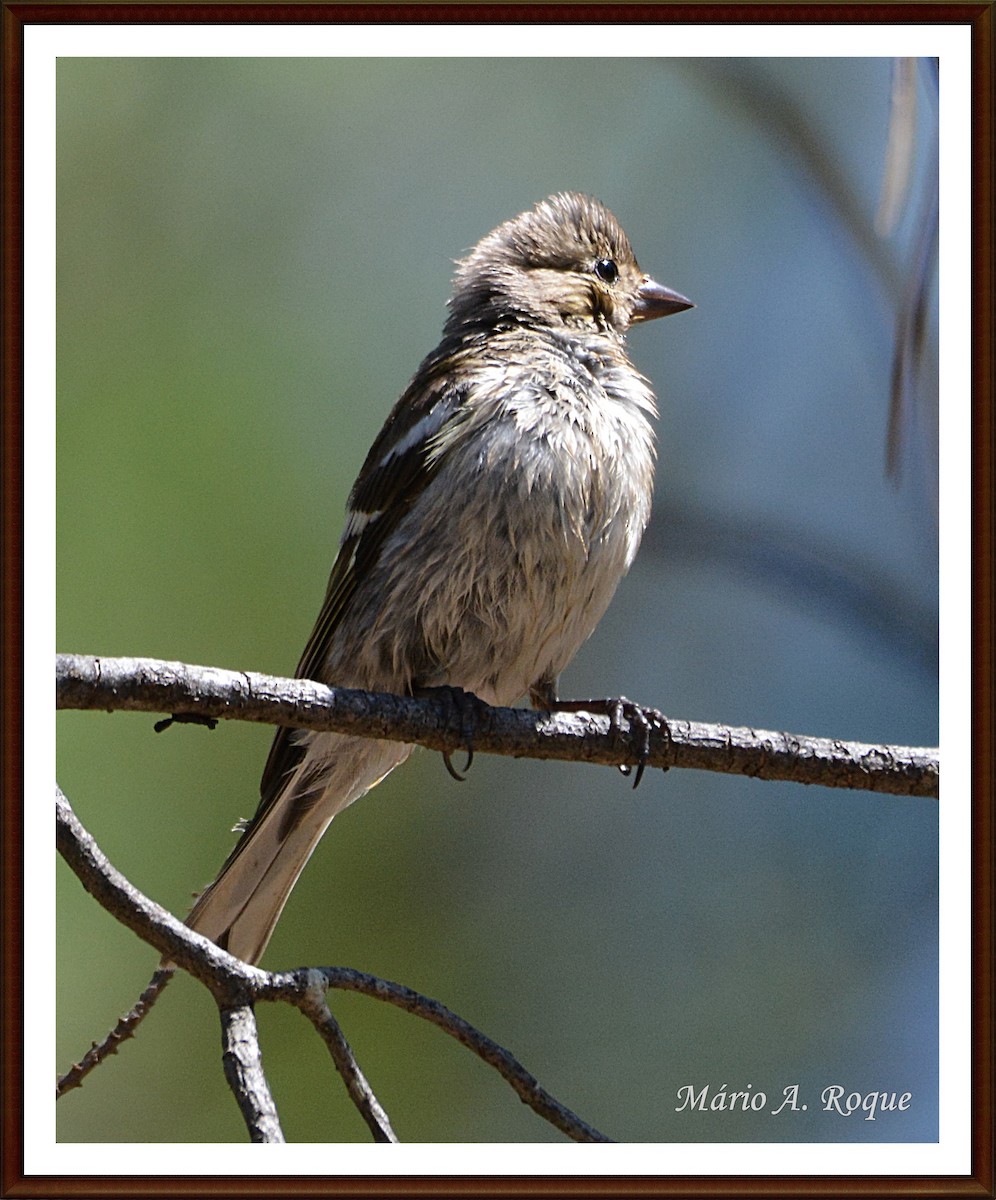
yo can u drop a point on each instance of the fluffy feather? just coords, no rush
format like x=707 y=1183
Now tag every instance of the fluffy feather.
x=494 y=516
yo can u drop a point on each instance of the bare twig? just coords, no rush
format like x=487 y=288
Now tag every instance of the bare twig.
x=243 y=1063
x=311 y=1001
x=124 y=1029
x=237 y=985
x=151 y=685
x=528 y=1089
x=229 y=979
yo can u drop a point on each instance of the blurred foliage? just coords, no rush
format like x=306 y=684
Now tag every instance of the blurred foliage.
x=253 y=257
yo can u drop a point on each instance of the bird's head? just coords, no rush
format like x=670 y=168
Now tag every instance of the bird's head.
x=566 y=263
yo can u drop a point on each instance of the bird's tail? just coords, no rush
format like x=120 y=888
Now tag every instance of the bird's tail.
x=240 y=908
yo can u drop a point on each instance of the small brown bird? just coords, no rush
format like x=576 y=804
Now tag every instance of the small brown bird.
x=494 y=516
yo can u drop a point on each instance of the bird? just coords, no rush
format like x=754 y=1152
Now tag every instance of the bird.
x=492 y=520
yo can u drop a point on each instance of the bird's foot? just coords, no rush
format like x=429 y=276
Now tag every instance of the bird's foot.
x=467 y=709
x=626 y=720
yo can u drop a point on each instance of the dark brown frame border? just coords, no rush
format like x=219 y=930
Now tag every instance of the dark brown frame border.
x=15 y=16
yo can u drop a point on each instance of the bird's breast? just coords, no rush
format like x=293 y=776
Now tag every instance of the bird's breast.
x=514 y=550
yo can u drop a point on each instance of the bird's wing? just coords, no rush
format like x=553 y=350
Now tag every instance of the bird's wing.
x=398 y=467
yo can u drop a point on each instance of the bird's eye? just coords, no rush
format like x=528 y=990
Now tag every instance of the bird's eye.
x=606 y=270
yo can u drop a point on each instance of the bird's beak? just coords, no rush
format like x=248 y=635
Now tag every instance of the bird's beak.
x=655 y=300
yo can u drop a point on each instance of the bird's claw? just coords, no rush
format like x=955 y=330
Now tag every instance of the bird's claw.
x=468 y=708
x=627 y=718
x=454 y=773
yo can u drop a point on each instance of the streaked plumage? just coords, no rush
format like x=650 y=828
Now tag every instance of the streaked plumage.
x=494 y=516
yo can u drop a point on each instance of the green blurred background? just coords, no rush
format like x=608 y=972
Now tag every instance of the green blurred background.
x=254 y=255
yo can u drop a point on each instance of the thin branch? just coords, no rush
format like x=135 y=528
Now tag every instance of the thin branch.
x=243 y=1063
x=529 y=1090
x=229 y=979
x=152 y=685
x=236 y=985
x=314 y=1006
x=124 y=1029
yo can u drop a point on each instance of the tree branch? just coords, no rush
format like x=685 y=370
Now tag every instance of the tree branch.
x=243 y=1063
x=152 y=685
x=236 y=986
x=124 y=1029
x=313 y=1004
x=528 y=1089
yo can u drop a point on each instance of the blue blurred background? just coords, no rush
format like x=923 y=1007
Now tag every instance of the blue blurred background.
x=254 y=255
